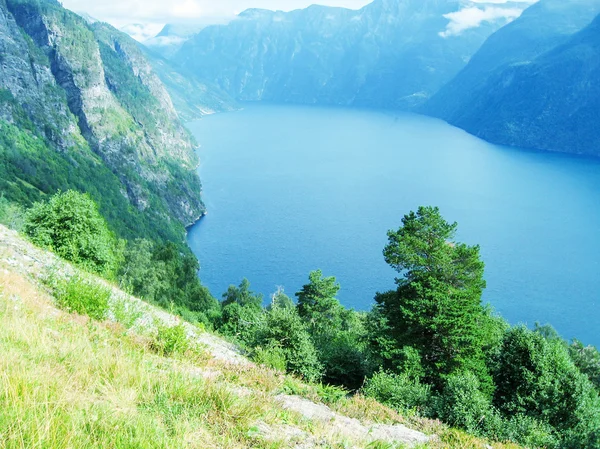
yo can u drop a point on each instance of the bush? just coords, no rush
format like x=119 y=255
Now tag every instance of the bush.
x=284 y=327
x=170 y=340
x=462 y=404
x=536 y=377
x=71 y=226
x=83 y=297
x=125 y=312
x=272 y=356
x=528 y=432
x=11 y=215
x=398 y=391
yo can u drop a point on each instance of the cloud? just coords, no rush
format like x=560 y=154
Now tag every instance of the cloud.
x=473 y=17
x=142 y=32
x=124 y=12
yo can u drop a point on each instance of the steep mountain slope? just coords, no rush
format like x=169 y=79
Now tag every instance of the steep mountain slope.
x=81 y=108
x=391 y=53
x=540 y=28
x=551 y=103
x=192 y=97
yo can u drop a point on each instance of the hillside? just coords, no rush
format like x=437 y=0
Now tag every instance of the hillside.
x=532 y=83
x=81 y=108
x=131 y=380
x=391 y=53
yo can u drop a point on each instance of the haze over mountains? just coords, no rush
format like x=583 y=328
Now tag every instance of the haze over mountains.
x=480 y=66
x=391 y=53
x=533 y=83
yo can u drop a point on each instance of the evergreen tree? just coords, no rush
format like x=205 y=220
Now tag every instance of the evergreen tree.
x=317 y=303
x=436 y=309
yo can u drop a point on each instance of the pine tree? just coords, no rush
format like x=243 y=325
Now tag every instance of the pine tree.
x=436 y=309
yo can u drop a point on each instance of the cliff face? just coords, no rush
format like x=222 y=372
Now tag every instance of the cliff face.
x=88 y=87
x=391 y=53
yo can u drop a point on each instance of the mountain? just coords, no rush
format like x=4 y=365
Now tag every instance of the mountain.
x=532 y=84
x=82 y=108
x=172 y=37
x=391 y=53
x=192 y=97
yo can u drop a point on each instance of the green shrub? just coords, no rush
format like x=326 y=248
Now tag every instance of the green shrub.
x=11 y=215
x=272 y=356
x=125 y=312
x=462 y=404
x=71 y=226
x=330 y=394
x=528 y=432
x=171 y=340
x=83 y=297
x=284 y=327
x=398 y=391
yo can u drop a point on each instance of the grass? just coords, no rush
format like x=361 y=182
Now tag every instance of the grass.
x=68 y=381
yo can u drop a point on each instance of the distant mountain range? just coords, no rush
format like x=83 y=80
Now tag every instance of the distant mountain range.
x=534 y=83
x=391 y=53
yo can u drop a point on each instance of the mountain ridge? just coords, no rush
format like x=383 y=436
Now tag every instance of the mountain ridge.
x=540 y=96
x=387 y=54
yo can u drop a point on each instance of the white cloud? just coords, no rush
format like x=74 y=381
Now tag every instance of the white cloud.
x=142 y=32
x=473 y=17
x=124 y=12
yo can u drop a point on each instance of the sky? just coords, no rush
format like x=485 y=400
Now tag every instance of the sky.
x=145 y=18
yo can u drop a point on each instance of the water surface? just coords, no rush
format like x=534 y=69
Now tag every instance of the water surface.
x=291 y=189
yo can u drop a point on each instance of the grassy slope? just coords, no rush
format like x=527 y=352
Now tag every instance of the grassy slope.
x=69 y=382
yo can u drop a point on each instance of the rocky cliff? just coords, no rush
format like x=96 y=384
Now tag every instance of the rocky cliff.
x=86 y=96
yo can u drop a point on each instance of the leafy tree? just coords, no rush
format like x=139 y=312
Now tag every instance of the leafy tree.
x=241 y=313
x=242 y=295
x=162 y=274
x=70 y=225
x=436 y=308
x=283 y=328
x=587 y=359
x=338 y=333
x=462 y=404
x=536 y=377
x=280 y=299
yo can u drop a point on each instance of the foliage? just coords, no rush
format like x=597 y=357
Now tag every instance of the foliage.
x=241 y=313
x=71 y=226
x=83 y=297
x=162 y=274
x=170 y=340
x=283 y=328
x=536 y=377
x=317 y=303
x=436 y=308
x=11 y=215
x=337 y=333
x=462 y=404
x=273 y=356
x=587 y=359
x=399 y=391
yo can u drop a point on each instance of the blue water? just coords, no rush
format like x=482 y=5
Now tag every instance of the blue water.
x=293 y=189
